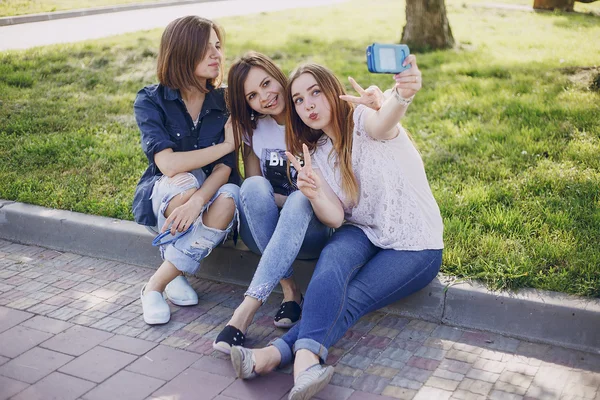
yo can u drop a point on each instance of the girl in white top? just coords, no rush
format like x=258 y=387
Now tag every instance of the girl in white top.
x=276 y=219
x=367 y=180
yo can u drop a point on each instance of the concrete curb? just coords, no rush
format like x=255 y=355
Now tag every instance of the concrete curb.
x=535 y=315
x=24 y=19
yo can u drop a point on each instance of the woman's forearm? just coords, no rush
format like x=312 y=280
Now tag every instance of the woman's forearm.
x=172 y=163
x=218 y=177
x=329 y=212
x=381 y=124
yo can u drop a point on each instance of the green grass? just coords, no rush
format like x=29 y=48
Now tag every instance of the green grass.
x=507 y=125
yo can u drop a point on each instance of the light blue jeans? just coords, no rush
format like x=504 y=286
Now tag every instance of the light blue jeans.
x=280 y=236
x=187 y=249
x=352 y=278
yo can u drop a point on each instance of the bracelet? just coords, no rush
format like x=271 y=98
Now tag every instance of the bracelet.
x=402 y=100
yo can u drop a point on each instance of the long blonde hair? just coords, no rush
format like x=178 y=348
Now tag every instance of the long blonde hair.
x=297 y=133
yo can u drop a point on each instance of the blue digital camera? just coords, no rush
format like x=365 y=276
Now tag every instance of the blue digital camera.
x=387 y=58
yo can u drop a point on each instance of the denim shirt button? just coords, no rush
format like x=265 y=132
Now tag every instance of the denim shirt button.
x=195 y=146
x=178 y=134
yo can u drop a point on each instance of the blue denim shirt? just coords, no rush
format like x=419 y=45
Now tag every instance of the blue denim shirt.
x=165 y=123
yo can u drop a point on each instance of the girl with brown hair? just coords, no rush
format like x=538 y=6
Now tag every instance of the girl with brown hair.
x=276 y=220
x=182 y=121
x=364 y=177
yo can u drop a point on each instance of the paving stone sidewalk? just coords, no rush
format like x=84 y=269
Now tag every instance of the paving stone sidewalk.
x=71 y=328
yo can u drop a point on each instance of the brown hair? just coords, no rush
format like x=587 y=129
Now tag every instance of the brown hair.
x=236 y=97
x=296 y=132
x=183 y=45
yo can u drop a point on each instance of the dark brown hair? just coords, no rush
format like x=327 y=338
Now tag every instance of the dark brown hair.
x=236 y=97
x=297 y=133
x=183 y=45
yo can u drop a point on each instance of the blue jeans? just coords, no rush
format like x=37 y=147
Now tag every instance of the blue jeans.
x=187 y=250
x=280 y=236
x=352 y=278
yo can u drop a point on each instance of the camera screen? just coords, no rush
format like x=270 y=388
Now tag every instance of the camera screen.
x=387 y=59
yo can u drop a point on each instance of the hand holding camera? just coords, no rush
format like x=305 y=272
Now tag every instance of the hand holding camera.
x=396 y=59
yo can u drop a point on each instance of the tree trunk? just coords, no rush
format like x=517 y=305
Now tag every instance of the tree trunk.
x=563 y=5
x=427 y=26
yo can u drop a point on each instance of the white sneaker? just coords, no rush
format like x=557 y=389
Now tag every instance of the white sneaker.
x=181 y=293
x=156 y=310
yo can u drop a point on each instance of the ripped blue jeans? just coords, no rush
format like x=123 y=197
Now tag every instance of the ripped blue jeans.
x=279 y=235
x=186 y=250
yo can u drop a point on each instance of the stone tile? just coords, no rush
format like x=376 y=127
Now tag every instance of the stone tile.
x=407 y=345
x=458 y=355
x=4 y=360
x=489 y=366
x=517 y=379
x=364 y=351
x=108 y=324
x=215 y=366
x=465 y=395
x=125 y=385
x=424 y=326
x=356 y=361
x=163 y=362
x=441 y=383
x=381 y=370
x=370 y=383
x=505 y=387
x=98 y=364
x=447 y=332
x=23 y=303
x=33 y=365
x=384 y=331
x=272 y=387
x=10 y=318
x=499 y=395
x=436 y=343
x=481 y=375
x=64 y=313
x=414 y=335
x=442 y=373
x=332 y=392
x=76 y=340
x=477 y=387
x=429 y=352
x=158 y=333
x=468 y=348
x=129 y=344
x=358 y=395
x=19 y=339
x=194 y=384
x=423 y=363
x=10 y=387
x=42 y=309
x=399 y=392
x=45 y=324
x=429 y=393
x=56 y=386
x=394 y=322
x=378 y=342
x=127 y=330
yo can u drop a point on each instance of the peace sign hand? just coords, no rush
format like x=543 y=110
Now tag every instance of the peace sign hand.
x=371 y=97
x=308 y=181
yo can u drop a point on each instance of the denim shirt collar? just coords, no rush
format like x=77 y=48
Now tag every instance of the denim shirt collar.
x=210 y=102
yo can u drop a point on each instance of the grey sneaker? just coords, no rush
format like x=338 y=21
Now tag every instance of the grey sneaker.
x=311 y=382
x=243 y=362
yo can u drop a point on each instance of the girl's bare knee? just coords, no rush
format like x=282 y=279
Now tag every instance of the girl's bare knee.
x=220 y=213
